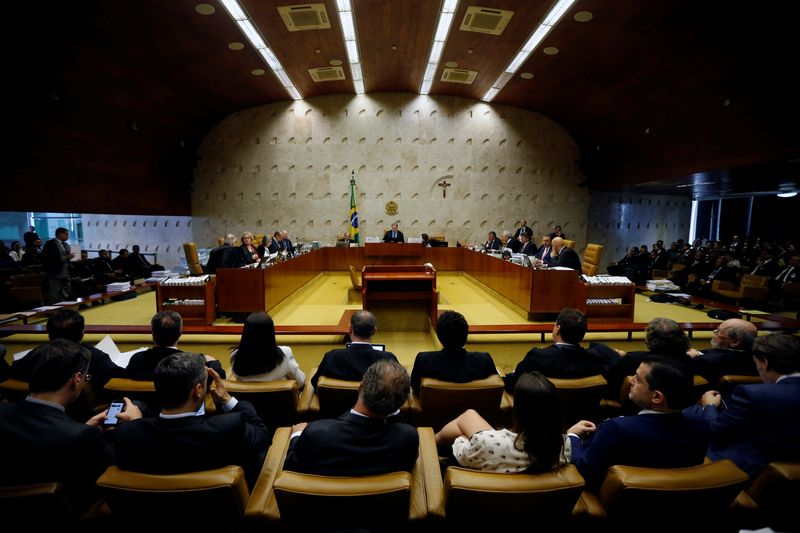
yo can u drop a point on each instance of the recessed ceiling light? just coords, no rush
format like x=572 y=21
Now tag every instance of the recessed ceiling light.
x=787 y=194
x=346 y=21
x=647 y=131
x=583 y=16
x=526 y=75
x=550 y=50
x=258 y=72
x=451 y=64
x=335 y=62
x=205 y=9
x=236 y=45
x=443 y=24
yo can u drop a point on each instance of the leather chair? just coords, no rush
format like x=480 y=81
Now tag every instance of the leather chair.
x=355 y=278
x=728 y=382
x=671 y=499
x=192 y=259
x=203 y=498
x=13 y=390
x=770 y=500
x=751 y=288
x=144 y=391
x=550 y=500
x=439 y=402
x=580 y=397
x=330 y=399
x=569 y=244
x=591 y=259
x=624 y=405
x=274 y=401
x=388 y=501
x=37 y=505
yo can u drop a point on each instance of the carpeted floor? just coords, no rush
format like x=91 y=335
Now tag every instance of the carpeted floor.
x=324 y=299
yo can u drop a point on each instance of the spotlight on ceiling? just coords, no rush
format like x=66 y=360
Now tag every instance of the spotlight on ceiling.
x=787 y=189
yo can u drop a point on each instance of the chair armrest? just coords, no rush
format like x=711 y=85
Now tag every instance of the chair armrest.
x=427 y=467
x=754 y=293
x=717 y=285
x=308 y=398
x=588 y=507
x=262 y=504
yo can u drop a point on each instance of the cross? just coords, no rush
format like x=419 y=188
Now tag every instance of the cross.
x=444 y=185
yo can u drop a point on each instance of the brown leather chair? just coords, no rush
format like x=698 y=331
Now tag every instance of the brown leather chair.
x=624 y=406
x=728 y=382
x=330 y=399
x=549 y=500
x=439 y=402
x=192 y=259
x=38 y=506
x=355 y=278
x=770 y=500
x=13 y=390
x=569 y=244
x=144 y=391
x=274 y=401
x=671 y=499
x=388 y=501
x=591 y=259
x=751 y=288
x=580 y=397
x=203 y=498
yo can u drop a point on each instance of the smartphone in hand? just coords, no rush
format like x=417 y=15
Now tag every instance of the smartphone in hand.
x=116 y=407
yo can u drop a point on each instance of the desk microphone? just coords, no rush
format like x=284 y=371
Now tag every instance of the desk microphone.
x=466 y=241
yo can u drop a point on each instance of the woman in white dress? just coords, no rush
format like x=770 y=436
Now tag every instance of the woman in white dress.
x=537 y=443
x=258 y=356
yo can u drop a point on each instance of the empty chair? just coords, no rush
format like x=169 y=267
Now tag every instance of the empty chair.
x=39 y=506
x=355 y=278
x=192 y=259
x=751 y=288
x=274 y=401
x=580 y=397
x=591 y=259
x=441 y=401
x=330 y=399
x=770 y=500
x=13 y=390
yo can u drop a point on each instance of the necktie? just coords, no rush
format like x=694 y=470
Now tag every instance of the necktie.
x=394 y=234
x=785 y=274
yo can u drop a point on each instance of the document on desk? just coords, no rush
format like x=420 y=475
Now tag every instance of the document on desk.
x=559 y=268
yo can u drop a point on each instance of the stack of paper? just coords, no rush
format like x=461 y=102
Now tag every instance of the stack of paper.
x=661 y=285
x=607 y=280
x=119 y=286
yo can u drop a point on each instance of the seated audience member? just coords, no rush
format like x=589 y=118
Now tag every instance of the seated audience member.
x=183 y=438
x=15 y=251
x=453 y=362
x=394 y=235
x=104 y=272
x=563 y=256
x=371 y=439
x=224 y=255
x=790 y=275
x=660 y=436
x=167 y=327
x=492 y=242
x=544 y=253
x=512 y=243
x=523 y=228
x=536 y=444
x=140 y=266
x=760 y=423
x=721 y=272
x=557 y=233
x=730 y=352
x=351 y=362
x=248 y=250
x=765 y=265
x=82 y=276
x=33 y=254
x=663 y=337
x=275 y=244
x=5 y=368
x=258 y=356
x=618 y=268
x=121 y=263
x=40 y=442
x=525 y=246
x=565 y=358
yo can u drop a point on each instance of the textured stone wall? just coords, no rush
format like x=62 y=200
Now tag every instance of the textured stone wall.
x=287 y=165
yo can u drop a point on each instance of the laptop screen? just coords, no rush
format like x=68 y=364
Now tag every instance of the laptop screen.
x=379 y=347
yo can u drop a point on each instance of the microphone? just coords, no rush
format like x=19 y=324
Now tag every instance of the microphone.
x=466 y=241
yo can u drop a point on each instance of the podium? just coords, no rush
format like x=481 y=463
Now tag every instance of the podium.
x=394 y=253
x=402 y=294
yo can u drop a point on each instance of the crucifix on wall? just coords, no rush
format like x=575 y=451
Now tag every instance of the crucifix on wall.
x=444 y=185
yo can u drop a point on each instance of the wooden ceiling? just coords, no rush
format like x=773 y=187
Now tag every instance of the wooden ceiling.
x=106 y=95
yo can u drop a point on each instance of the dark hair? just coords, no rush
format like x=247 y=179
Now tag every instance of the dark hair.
x=452 y=329
x=664 y=337
x=781 y=352
x=572 y=324
x=538 y=421
x=493 y=234
x=674 y=380
x=364 y=324
x=59 y=231
x=258 y=350
x=385 y=387
x=166 y=326
x=55 y=363
x=65 y=324
x=176 y=375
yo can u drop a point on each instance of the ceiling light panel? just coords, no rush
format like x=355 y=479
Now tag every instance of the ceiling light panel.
x=439 y=38
x=345 y=9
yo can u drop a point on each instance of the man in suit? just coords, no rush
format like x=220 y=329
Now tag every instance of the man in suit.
x=721 y=272
x=225 y=256
x=730 y=353
x=166 y=327
x=789 y=275
x=183 y=438
x=492 y=242
x=369 y=440
x=565 y=358
x=139 y=265
x=351 y=362
x=30 y=236
x=527 y=247
x=55 y=259
x=543 y=254
x=105 y=272
x=564 y=256
x=276 y=243
x=453 y=362
x=40 y=442
x=660 y=436
x=511 y=243
x=759 y=424
x=394 y=235
x=523 y=229
x=286 y=244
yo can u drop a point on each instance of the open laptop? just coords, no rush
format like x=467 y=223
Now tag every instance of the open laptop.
x=379 y=347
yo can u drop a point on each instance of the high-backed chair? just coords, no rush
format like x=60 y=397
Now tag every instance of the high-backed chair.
x=216 y=496
x=480 y=498
x=37 y=505
x=355 y=278
x=770 y=500
x=591 y=259
x=13 y=390
x=671 y=499
x=580 y=397
x=728 y=382
x=442 y=401
x=192 y=259
x=750 y=288
x=626 y=407
x=330 y=399
x=274 y=401
x=383 y=502
x=569 y=244
x=144 y=391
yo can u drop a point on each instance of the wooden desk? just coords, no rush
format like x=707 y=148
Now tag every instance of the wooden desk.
x=393 y=253
x=400 y=283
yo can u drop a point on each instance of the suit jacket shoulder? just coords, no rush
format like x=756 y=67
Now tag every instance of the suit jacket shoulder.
x=458 y=366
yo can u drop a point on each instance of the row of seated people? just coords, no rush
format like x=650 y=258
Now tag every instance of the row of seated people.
x=372 y=438
x=229 y=254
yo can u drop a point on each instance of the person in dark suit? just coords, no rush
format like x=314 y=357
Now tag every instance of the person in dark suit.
x=167 y=327
x=660 y=436
x=789 y=275
x=248 y=250
x=55 y=259
x=759 y=424
x=394 y=235
x=369 y=440
x=544 y=251
x=40 y=442
x=276 y=243
x=104 y=271
x=512 y=243
x=139 y=265
x=492 y=242
x=523 y=229
x=183 y=438
x=287 y=244
x=730 y=353
x=224 y=256
x=564 y=256
x=30 y=236
x=527 y=247
x=565 y=358
x=721 y=272
x=351 y=362
x=452 y=363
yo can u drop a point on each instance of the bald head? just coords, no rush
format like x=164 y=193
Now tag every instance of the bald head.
x=558 y=244
x=735 y=334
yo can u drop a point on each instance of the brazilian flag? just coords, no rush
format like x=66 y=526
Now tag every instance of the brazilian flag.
x=353 y=210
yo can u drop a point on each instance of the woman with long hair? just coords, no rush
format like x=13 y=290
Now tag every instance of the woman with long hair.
x=537 y=443
x=258 y=356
